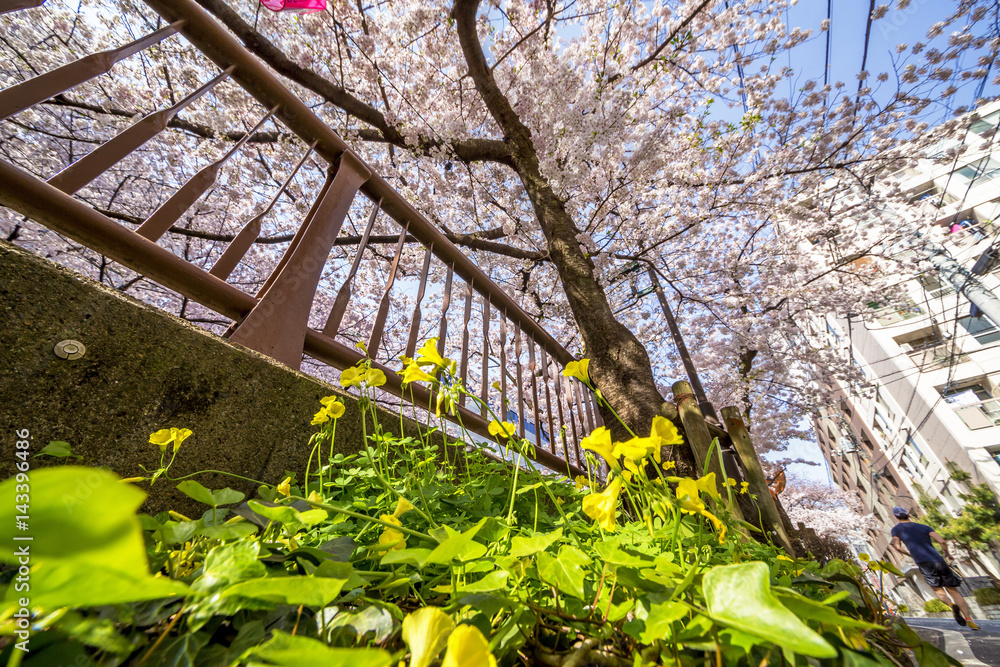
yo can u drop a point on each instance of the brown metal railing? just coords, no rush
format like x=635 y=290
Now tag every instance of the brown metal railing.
x=275 y=320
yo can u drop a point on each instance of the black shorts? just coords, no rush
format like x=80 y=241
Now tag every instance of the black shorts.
x=937 y=574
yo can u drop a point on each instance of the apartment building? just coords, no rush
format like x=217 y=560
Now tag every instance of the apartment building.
x=929 y=397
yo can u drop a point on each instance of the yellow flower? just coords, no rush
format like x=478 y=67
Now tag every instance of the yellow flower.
x=375 y=377
x=428 y=355
x=413 y=373
x=668 y=433
x=351 y=377
x=333 y=405
x=467 y=647
x=505 y=429
x=707 y=485
x=391 y=539
x=744 y=487
x=165 y=436
x=580 y=481
x=669 y=465
x=599 y=441
x=402 y=507
x=601 y=506
x=314 y=497
x=578 y=369
x=285 y=488
x=730 y=481
x=637 y=449
x=687 y=498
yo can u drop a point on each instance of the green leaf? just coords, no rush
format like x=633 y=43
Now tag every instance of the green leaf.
x=453 y=547
x=182 y=651
x=521 y=545
x=232 y=531
x=227 y=496
x=415 y=557
x=740 y=596
x=55 y=585
x=309 y=591
x=803 y=607
x=230 y=563
x=56 y=448
x=290 y=517
x=612 y=555
x=425 y=632
x=193 y=489
x=659 y=619
x=295 y=651
x=565 y=572
x=493 y=581
x=78 y=514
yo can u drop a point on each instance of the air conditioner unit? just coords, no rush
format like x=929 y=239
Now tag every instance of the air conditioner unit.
x=906 y=347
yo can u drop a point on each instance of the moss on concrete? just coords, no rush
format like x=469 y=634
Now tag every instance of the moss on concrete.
x=145 y=370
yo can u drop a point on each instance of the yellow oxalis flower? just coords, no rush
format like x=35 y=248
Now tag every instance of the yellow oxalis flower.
x=332 y=409
x=375 y=377
x=665 y=430
x=707 y=485
x=669 y=465
x=165 y=436
x=637 y=449
x=687 y=498
x=467 y=647
x=498 y=428
x=351 y=377
x=413 y=373
x=314 y=497
x=744 y=487
x=428 y=355
x=601 y=506
x=580 y=481
x=391 y=539
x=402 y=507
x=285 y=488
x=578 y=369
x=599 y=441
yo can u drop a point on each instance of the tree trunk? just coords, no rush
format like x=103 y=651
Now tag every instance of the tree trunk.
x=619 y=365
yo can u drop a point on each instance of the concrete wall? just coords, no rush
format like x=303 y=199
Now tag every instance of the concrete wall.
x=145 y=370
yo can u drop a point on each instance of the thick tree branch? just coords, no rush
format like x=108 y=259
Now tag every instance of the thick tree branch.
x=467 y=150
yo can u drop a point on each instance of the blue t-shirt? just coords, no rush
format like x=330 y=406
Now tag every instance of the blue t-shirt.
x=917 y=538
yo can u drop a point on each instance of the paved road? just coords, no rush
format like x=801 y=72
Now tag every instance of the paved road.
x=970 y=647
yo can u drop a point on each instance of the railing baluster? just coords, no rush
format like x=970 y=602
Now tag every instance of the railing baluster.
x=171 y=210
x=548 y=401
x=533 y=370
x=520 y=380
x=16 y=5
x=558 y=380
x=277 y=324
x=375 y=339
x=464 y=367
x=504 y=410
x=411 y=341
x=598 y=421
x=111 y=152
x=586 y=407
x=239 y=246
x=344 y=295
x=40 y=88
x=485 y=389
x=445 y=304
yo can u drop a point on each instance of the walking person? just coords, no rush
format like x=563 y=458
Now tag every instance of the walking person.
x=938 y=575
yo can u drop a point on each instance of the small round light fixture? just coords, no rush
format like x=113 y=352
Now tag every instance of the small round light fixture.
x=70 y=349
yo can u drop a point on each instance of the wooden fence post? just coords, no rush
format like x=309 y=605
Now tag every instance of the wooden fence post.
x=755 y=476
x=699 y=439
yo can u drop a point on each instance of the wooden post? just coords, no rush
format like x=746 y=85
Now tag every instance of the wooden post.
x=755 y=476
x=699 y=439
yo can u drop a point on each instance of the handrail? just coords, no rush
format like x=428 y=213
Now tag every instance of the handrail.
x=275 y=321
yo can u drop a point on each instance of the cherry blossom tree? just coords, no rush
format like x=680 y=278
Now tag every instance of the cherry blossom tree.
x=555 y=141
x=828 y=510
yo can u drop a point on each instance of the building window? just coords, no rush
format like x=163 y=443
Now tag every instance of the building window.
x=928 y=349
x=987 y=125
x=915 y=453
x=996 y=455
x=934 y=286
x=880 y=401
x=981 y=329
x=974 y=405
x=980 y=171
